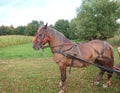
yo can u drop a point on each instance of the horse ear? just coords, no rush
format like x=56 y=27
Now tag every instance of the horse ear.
x=46 y=25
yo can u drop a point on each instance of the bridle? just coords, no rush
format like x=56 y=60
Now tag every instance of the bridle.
x=43 y=38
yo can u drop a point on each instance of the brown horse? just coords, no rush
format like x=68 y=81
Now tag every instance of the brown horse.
x=95 y=51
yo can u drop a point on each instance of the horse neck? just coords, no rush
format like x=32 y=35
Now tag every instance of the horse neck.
x=57 y=38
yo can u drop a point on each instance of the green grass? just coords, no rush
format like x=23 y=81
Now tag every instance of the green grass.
x=39 y=75
x=23 y=51
x=24 y=70
x=27 y=76
x=19 y=47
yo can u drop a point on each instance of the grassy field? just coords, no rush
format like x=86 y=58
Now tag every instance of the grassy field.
x=24 y=70
x=10 y=40
x=22 y=51
x=42 y=76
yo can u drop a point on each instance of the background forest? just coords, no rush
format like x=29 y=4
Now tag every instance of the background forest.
x=96 y=19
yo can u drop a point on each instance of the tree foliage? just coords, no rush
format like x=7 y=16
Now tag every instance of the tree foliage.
x=96 y=19
x=72 y=30
x=20 y=30
x=31 y=28
x=6 y=30
x=62 y=26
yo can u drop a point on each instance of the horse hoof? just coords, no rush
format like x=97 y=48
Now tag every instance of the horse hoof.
x=105 y=86
x=61 y=91
x=60 y=84
x=96 y=83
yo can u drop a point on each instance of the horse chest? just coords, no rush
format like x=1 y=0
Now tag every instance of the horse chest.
x=59 y=58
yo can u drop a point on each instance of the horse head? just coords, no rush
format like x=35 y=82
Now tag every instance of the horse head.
x=41 y=38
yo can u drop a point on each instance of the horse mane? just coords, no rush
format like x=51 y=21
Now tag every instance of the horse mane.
x=59 y=35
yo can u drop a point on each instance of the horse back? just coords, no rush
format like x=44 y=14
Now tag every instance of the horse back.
x=101 y=46
x=104 y=49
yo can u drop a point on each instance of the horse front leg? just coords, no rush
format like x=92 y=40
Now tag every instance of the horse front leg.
x=62 y=83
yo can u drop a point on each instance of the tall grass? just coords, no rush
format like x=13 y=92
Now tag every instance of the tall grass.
x=115 y=41
x=10 y=40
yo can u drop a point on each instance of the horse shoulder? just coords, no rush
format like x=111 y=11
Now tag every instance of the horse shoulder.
x=59 y=58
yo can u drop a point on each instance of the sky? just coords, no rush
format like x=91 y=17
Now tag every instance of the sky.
x=22 y=12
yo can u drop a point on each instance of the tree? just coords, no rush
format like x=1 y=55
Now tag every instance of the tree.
x=62 y=26
x=72 y=29
x=5 y=30
x=20 y=30
x=41 y=23
x=96 y=19
x=31 y=28
x=2 y=30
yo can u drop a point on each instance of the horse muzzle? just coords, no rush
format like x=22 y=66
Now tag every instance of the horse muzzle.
x=37 y=47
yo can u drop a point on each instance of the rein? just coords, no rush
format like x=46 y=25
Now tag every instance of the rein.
x=87 y=62
x=61 y=45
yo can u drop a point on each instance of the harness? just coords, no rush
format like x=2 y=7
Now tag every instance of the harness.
x=63 y=52
x=80 y=59
x=101 y=54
